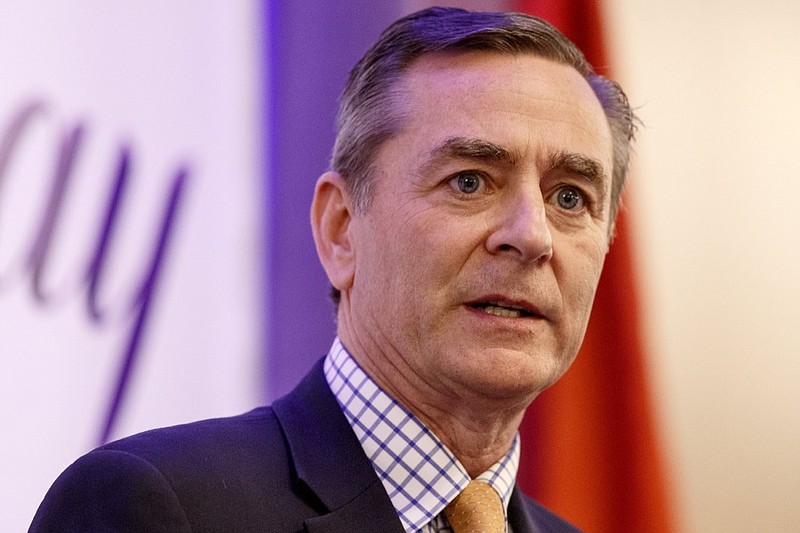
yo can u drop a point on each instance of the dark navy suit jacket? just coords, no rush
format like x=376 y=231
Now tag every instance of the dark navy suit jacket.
x=295 y=466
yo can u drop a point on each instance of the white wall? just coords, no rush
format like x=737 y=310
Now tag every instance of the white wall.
x=716 y=200
x=177 y=82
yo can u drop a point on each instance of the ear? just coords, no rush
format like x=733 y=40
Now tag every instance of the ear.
x=331 y=214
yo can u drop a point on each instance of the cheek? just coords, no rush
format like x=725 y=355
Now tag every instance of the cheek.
x=430 y=242
x=396 y=255
x=580 y=274
x=416 y=249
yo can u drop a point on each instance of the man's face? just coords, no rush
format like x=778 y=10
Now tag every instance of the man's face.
x=477 y=260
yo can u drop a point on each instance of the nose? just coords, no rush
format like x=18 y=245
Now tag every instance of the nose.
x=520 y=227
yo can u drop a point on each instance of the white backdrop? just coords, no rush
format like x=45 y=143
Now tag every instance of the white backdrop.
x=716 y=196
x=177 y=86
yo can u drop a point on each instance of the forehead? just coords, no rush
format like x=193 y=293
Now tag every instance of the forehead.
x=525 y=103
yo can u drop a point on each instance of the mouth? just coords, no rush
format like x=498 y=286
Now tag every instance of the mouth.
x=505 y=309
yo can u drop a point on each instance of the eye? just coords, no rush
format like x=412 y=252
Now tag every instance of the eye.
x=467 y=182
x=570 y=198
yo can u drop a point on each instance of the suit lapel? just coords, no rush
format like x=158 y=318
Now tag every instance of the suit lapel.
x=518 y=516
x=528 y=516
x=371 y=511
x=329 y=460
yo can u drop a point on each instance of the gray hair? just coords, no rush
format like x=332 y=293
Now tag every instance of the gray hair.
x=368 y=114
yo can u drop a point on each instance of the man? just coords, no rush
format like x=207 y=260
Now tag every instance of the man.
x=476 y=176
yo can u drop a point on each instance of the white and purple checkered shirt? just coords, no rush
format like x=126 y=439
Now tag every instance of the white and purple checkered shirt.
x=418 y=472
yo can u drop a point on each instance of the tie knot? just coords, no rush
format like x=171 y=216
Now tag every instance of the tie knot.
x=477 y=509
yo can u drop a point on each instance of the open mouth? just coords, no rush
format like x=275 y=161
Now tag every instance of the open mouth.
x=504 y=310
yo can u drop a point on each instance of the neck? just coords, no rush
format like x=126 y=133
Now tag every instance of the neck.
x=477 y=442
x=478 y=428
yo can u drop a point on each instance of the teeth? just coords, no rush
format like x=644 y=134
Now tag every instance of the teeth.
x=502 y=311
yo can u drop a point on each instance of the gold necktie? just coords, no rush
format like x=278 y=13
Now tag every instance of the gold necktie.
x=477 y=509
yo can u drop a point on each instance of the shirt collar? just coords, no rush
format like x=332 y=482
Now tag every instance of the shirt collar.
x=419 y=473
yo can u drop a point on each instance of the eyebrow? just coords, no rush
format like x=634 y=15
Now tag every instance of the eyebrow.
x=469 y=148
x=587 y=167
